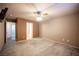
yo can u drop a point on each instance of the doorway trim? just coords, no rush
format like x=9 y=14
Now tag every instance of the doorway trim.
x=7 y=20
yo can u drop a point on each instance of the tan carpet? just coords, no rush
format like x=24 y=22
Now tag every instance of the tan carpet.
x=38 y=47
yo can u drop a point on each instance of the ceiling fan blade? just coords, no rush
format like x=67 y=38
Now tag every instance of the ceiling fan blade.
x=45 y=14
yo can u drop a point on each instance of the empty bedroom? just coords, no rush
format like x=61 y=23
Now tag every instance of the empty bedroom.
x=39 y=29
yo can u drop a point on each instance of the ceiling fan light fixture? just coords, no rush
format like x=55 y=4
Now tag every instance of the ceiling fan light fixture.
x=45 y=14
x=39 y=19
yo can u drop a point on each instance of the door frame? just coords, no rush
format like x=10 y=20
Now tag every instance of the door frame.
x=7 y=20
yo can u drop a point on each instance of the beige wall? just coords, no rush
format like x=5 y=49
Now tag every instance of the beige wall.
x=1 y=35
x=63 y=29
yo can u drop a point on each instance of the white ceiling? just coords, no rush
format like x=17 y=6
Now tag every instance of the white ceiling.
x=25 y=10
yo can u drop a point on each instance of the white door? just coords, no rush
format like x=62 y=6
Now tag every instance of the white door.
x=29 y=30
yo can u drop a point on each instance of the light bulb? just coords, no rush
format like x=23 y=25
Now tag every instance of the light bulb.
x=39 y=18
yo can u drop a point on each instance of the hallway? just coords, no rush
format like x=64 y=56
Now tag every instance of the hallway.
x=38 y=47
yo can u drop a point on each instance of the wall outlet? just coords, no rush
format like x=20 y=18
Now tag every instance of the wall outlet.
x=68 y=40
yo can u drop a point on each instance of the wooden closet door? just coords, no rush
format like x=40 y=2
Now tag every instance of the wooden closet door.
x=20 y=29
x=35 y=29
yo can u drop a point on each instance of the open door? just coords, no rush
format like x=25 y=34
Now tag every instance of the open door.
x=29 y=30
x=10 y=31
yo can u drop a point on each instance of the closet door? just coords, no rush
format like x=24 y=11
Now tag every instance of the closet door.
x=20 y=29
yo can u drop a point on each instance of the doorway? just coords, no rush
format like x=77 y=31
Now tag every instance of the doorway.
x=29 y=30
x=10 y=32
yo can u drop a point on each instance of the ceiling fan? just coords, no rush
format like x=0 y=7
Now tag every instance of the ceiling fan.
x=39 y=13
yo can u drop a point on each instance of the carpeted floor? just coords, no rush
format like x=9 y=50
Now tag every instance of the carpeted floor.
x=38 y=47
